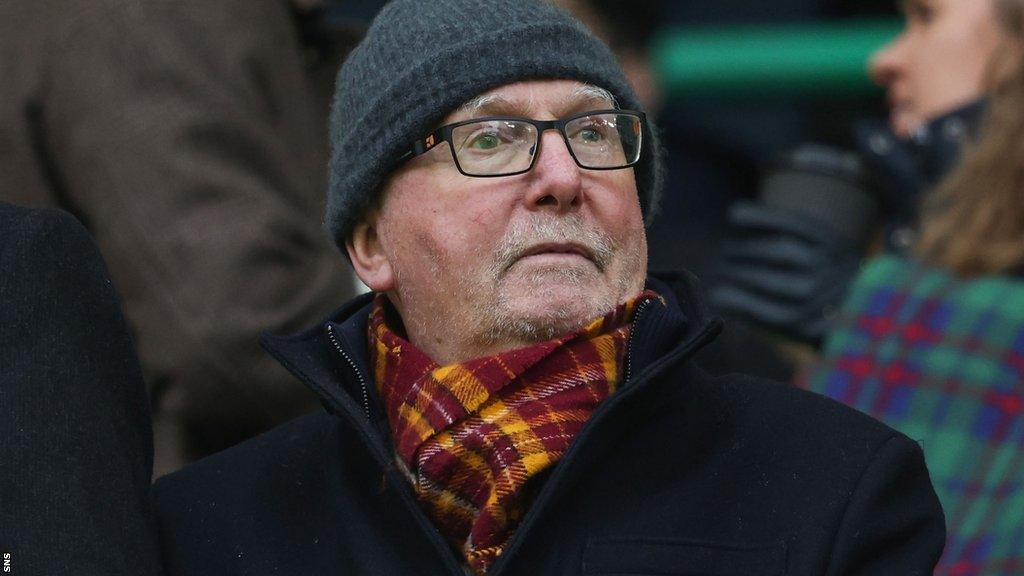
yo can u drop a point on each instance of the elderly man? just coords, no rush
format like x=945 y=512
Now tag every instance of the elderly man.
x=517 y=397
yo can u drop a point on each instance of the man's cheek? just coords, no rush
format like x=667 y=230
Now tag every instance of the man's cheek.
x=482 y=217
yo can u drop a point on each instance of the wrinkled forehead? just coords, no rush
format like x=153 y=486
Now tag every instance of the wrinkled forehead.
x=539 y=99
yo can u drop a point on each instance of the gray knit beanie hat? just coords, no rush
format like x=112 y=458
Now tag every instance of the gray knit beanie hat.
x=422 y=59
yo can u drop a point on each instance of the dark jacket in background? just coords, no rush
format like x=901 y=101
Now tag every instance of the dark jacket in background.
x=183 y=135
x=76 y=450
x=677 y=473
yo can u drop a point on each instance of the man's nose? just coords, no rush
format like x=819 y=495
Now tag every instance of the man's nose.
x=886 y=64
x=556 y=179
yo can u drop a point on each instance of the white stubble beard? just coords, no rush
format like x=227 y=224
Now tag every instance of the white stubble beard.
x=499 y=318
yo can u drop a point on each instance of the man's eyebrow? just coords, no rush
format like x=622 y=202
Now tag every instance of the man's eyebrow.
x=589 y=94
x=489 y=104
x=579 y=99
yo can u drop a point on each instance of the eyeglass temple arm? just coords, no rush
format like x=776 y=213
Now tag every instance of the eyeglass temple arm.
x=424 y=145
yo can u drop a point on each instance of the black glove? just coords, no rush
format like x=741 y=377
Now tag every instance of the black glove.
x=783 y=271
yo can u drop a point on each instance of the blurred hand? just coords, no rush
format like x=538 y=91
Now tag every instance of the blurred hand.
x=783 y=271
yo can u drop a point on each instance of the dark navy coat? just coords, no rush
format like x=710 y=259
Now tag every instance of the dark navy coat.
x=677 y=473
x=76 y=447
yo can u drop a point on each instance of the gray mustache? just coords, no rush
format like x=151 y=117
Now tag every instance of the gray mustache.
x=525 y=234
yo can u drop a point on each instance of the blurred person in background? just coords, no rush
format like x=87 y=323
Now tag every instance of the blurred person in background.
x=184 y=135
x=787 y=269
x=933 y=343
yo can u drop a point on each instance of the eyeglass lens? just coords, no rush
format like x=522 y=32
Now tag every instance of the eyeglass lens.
x=506 y=146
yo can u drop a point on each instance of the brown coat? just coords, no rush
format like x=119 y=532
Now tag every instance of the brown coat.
x=184 y=135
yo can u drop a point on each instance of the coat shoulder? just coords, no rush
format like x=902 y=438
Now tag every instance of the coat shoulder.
x=784 y=419
x=785 y=401
x=285 y=455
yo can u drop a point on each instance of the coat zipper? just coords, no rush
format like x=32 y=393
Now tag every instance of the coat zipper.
x=431 y=533
x=640 y=309
x=359 y=375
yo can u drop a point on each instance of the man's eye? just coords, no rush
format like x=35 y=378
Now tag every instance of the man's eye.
x=486 y=141
x=590 y=135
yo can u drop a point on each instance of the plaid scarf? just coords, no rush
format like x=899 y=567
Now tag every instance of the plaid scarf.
x=472 y=435
x=942 y=360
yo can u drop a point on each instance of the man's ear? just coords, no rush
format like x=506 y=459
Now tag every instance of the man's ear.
x=368 y=257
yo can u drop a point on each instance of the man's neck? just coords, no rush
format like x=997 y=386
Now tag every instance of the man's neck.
x=446 y=343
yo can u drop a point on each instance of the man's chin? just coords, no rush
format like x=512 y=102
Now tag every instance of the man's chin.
x=547 y=311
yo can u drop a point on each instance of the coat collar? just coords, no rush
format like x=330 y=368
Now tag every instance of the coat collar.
x=331 y=357
x=905 y=167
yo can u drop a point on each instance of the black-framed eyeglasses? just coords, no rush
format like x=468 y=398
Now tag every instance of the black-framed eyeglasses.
x=508 y=145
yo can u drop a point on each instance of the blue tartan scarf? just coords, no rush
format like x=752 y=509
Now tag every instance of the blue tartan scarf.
x=942 y=360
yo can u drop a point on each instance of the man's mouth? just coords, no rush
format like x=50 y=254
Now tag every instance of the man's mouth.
x=556 y=251
x=553 y=243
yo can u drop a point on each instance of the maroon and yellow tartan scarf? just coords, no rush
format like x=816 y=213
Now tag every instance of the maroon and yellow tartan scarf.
x=473 y=434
